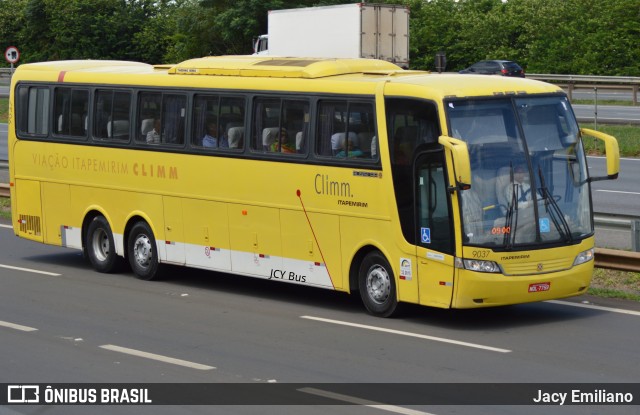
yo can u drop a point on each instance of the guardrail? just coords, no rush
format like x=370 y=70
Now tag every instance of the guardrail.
x=573 y=82
x=618 y=260
x=620 y=222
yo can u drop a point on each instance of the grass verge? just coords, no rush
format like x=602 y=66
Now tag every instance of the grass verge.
x=628 y=137
x=615 y=284
x=5 y=208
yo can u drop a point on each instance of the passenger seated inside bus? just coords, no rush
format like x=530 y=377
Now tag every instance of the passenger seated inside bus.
x=153 y=136
x=211 y=139
x=338 y=141
x=353 y=151
x=280 y=143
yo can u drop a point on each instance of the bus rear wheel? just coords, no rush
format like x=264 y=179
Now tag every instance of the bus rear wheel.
x=377 y=285
x=142 y=252
x=100 y=247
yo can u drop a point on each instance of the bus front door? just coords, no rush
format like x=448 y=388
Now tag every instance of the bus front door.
x=434 y=227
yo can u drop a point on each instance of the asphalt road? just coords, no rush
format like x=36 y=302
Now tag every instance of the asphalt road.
x=603 y=93
x=615 y=197
x=614 y=114
x=62 y=322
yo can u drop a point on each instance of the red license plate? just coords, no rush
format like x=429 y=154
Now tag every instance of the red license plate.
x=539 y=286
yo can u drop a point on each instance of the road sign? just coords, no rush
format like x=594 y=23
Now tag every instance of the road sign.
x=12 y=54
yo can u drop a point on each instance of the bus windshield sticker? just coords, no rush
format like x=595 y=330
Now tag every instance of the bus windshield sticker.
x=544 y=225
x=425 y=235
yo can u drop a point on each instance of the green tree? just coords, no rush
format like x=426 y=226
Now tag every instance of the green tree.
x=13 y=18
x=545 y=36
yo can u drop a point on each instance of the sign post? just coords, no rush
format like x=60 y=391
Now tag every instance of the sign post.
x=441 y=61
x=12 y=55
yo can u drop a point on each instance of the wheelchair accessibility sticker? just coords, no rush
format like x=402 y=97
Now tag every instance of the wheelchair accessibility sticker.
x=545 y=227
x=425 y=235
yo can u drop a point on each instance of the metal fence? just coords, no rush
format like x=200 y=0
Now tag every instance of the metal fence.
x=618 y=259
x=573 y=82
x=629 y=224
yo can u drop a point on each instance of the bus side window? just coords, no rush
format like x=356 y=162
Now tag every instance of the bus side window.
x=32 y=110
x=276 y=124
x=295 y=120
x=111 y=115
x=70 y=109
x=149 y=109
x=331 y=123
x=168 y=112
x=174 y=108
x=345 y=129
x=205 y=130
x=218 y=122
x=266 y=121
x=233 y=117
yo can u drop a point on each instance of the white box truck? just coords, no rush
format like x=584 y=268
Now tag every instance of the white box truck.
x=359 y=30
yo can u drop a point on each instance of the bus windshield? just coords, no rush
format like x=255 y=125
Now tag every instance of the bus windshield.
x=529 y=175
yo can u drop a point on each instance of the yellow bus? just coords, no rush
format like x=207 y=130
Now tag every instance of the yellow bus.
x=445 y=190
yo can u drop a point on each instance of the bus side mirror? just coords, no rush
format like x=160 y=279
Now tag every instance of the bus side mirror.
x=460 y=157
x=611 y=152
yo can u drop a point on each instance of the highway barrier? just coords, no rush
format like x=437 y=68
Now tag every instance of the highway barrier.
x=623 y=223
x=573 y=82
x=618 y=260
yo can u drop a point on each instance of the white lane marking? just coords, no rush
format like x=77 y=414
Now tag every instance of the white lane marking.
x=53 y=274
x=596 y=307
x=409 y=334
x=364 y=402
x=16 y=326
x=158 y=357
x=2 y=225
x=618 y=191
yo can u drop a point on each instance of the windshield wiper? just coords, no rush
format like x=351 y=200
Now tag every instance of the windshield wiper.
x=554 y=210
x=511 y=212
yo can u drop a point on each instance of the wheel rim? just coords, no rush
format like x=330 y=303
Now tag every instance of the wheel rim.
x=100 y=245
x=378 y=284
x=142 y=251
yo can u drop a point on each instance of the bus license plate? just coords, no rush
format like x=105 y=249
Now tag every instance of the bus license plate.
x=539 y=286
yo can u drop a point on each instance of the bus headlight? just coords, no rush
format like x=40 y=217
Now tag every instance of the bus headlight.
x=585 y=256
x=477 y=265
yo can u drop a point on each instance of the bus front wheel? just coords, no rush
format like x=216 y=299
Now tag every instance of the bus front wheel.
x=377 y=285
x=142 y=252
x=100 y=247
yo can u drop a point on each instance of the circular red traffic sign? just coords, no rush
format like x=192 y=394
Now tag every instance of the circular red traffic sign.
x=12 y=54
